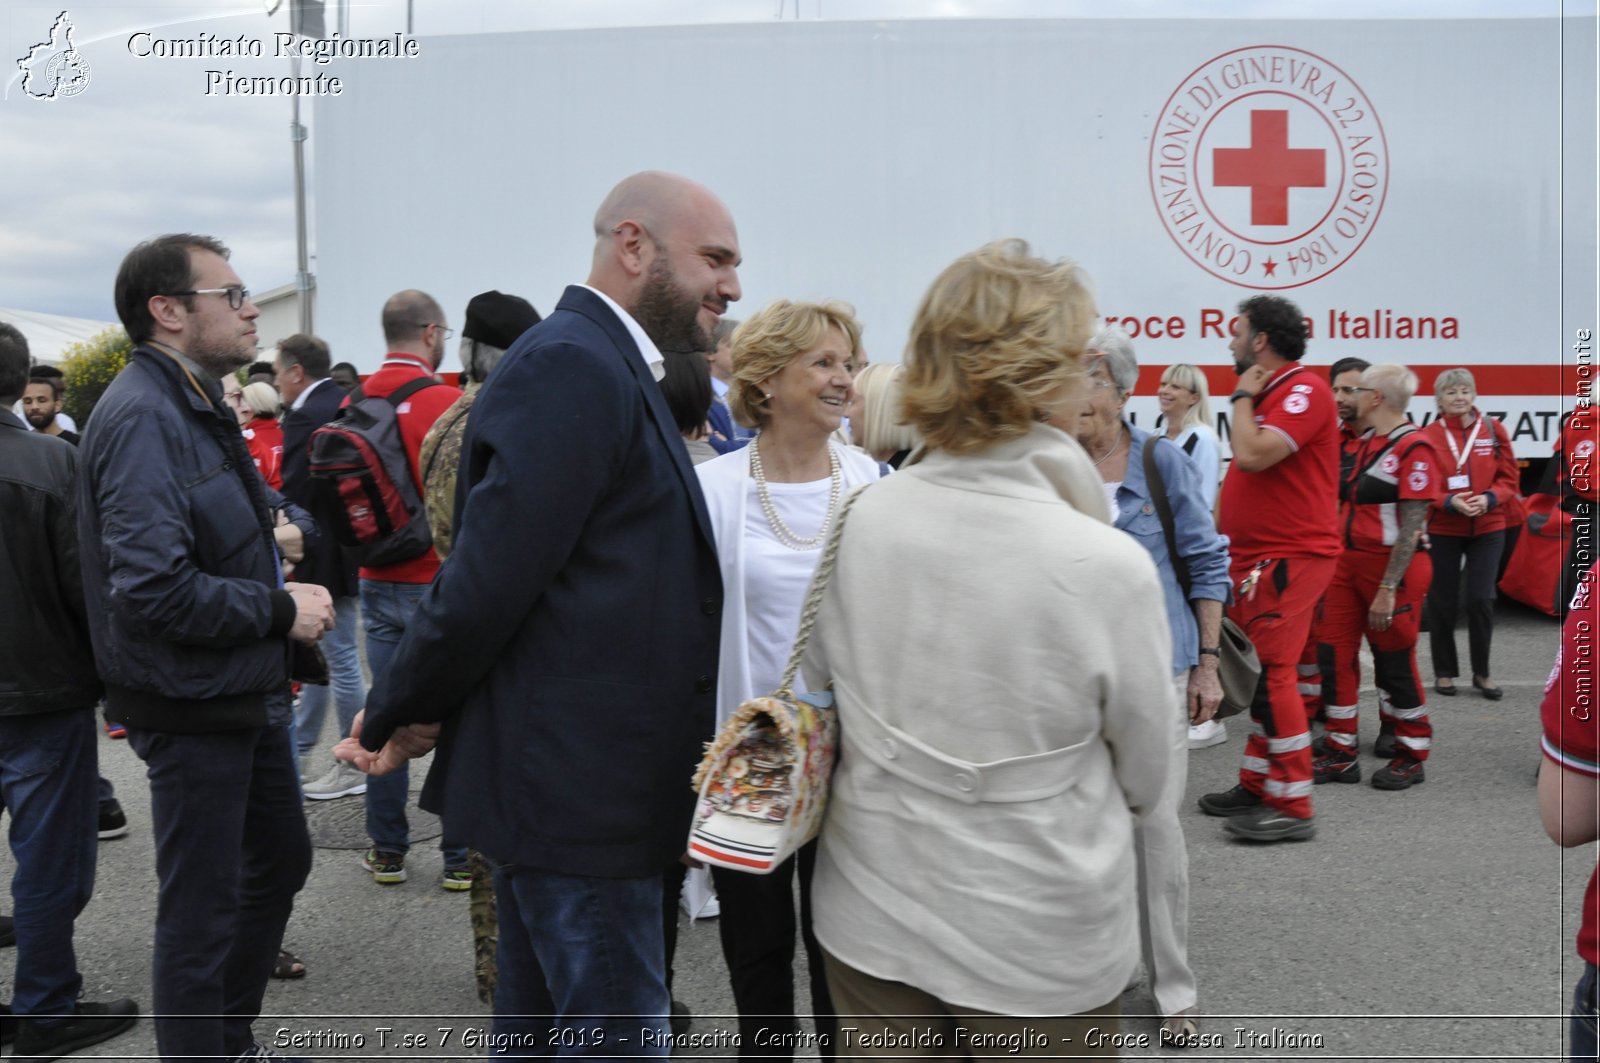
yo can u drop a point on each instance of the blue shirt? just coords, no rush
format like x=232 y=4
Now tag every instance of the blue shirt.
x=1196 y=533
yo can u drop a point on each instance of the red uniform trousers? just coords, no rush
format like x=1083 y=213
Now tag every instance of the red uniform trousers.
x=1394 y=652
x=1276 y=613
x=1315 y=670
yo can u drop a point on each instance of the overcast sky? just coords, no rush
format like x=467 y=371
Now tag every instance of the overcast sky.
x=143 y=150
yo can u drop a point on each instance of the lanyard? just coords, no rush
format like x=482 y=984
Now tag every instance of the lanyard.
x=1461 y=454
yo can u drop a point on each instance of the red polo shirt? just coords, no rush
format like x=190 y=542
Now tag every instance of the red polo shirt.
x=1571 y=718
x=416 y=416
x=1292 y=508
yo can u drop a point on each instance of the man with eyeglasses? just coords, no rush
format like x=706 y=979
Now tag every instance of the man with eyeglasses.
x=1279 y=510
x=414 y=329
x=191 y=622
x=1316 y=660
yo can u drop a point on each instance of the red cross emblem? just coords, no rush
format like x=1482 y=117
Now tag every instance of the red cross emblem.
x=1269 y=167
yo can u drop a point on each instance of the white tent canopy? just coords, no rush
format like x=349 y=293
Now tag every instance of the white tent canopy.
x=49 y=335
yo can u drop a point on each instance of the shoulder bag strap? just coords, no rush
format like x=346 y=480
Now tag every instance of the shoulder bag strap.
x=1158 y=495
x=813 y=603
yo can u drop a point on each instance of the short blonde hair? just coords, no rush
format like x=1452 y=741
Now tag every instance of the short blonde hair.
x=774 y=336
x=1395 y=382
x=1190 y=378
x=262 y=399
x=883 y=426
x=996 y=343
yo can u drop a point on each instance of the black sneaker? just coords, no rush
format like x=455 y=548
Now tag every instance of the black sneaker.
x=113 y=824
x=8 y=931
x=1235 y=802
x=1400 y=774
x=1335 y=766
x=1270 y=825
x=92 y=1024
x=8 y=1026
x=682 y=1019
x=1387 y=747
x=261 y=1051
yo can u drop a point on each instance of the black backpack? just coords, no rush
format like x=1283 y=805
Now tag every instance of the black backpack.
x=361 y=482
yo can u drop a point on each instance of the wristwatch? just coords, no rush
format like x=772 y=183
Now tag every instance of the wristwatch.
x=1215 y=651
x=1241 y=394
x=1386 y=585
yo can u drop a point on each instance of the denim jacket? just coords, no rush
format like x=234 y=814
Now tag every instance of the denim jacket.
x=1198 y=540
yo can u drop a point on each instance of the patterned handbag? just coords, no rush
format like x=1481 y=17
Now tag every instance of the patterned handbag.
x=763 y=783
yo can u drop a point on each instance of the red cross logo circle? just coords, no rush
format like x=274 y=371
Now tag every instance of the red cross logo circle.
x=1269 y=167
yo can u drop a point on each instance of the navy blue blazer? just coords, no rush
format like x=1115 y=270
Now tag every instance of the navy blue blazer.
x=327 y=565
x=569 y=644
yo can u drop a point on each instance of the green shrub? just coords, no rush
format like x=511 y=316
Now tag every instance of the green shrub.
x=89 y=367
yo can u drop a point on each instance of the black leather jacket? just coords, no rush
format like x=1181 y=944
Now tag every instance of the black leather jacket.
x=45 y=661
x=180 y=571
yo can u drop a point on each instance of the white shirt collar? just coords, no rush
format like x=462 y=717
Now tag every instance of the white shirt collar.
x=647 y=349
x=300 y=399
x=719 y=388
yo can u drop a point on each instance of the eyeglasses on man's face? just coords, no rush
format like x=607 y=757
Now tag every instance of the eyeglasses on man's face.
x=236 y=296
x=448 y=332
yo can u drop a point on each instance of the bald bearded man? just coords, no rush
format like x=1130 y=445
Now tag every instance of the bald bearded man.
x=569 y=682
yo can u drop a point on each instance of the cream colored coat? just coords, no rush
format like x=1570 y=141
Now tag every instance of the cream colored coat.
x=999 y=657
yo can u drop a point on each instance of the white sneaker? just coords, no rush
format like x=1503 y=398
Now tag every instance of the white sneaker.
x=343 y=780
x=1201 y=735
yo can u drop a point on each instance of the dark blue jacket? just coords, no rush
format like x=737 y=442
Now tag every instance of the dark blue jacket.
x=569 y=643
x=326 y=565
x=45 y=662
x=180 y=571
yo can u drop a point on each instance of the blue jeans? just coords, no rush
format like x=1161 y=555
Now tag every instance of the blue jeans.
x=1583 y=1016
x=231 y=853
x=581 y=956
x=386 y=609
x=349 y=686
x=47 y=783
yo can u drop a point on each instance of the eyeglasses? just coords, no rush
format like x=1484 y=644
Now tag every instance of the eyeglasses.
x=1350 y=391
x=1100 y=383
x=236 y=296
x=448 y=332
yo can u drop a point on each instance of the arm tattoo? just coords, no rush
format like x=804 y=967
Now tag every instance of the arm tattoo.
x=1413 y=515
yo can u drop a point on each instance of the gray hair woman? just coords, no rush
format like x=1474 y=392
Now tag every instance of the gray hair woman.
x=1194 y=614
x=1468 y=528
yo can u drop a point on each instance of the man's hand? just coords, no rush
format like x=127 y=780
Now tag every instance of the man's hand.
x=1380 y=614
x=291 y=540
x=406 y=744
x=1205 y=690
x=313 y=611
x=1254 y=379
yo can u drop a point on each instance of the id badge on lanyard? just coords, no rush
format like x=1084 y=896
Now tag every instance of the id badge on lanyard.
x=1461 y=481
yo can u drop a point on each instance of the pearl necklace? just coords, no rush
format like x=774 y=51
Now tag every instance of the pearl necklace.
x=782 y=531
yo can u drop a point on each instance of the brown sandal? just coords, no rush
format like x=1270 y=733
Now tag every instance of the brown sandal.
x=1181 y=1030
x=288 y=966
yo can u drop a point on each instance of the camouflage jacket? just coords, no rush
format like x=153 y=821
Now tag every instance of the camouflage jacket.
x=439 y=459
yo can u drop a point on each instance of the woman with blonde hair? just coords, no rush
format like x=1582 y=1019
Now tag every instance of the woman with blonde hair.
x=1001 y=737
x=772 y=505
x=883 y=431
x=257 y=405
x=1186 y=404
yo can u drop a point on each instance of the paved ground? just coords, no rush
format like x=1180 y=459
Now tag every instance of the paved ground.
x=1431 y=924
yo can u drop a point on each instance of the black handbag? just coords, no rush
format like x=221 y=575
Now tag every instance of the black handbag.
x=1240 y=668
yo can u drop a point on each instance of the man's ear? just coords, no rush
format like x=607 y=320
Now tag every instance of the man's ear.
x=633 y=245
x=168 y=312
